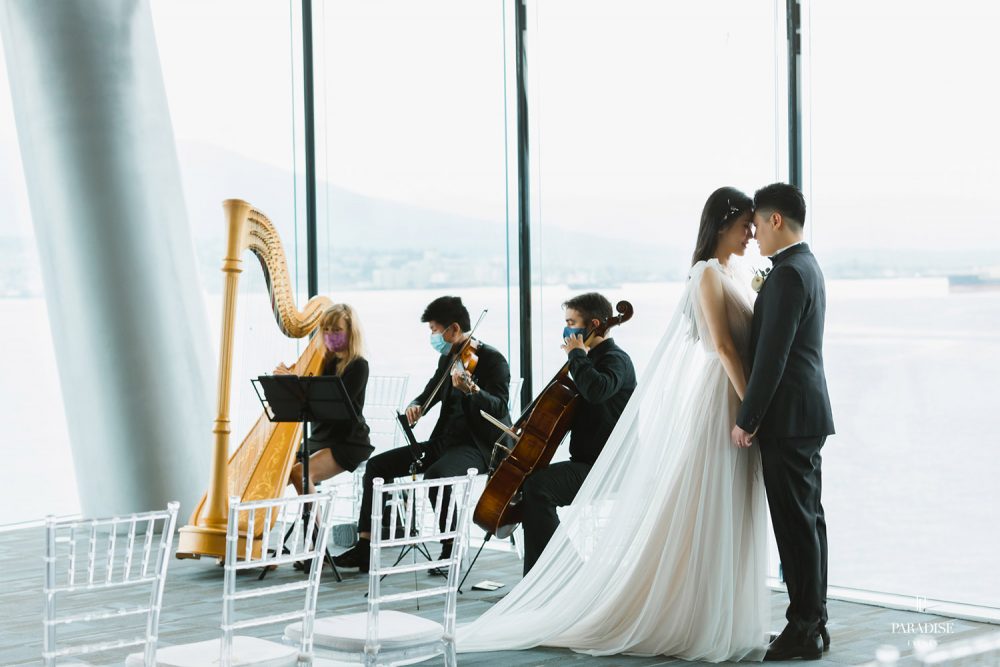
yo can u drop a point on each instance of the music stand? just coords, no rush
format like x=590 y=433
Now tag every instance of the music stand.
x=416 y=465
x=411 y=442
x=292 y=398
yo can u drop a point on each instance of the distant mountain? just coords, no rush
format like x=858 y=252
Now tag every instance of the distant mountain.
x=369 y=224
x=381 y=243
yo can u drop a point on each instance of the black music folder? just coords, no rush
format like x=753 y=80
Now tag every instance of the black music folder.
x=293 y=398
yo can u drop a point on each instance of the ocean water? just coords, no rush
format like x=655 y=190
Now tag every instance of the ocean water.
x=910 y=480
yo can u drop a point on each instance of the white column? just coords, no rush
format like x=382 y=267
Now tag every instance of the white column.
x=125 y=306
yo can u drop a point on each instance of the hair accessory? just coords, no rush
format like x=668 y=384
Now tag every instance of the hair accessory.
x=732 y=212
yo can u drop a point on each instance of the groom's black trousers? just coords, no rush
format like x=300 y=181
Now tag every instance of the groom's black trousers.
x=793 y=480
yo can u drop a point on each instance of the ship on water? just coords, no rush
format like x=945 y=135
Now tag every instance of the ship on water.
x=973 y=282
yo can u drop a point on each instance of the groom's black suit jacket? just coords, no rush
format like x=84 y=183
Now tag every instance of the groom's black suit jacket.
x=786 y=395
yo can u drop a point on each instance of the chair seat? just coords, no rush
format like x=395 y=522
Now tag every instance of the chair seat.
x=396 y=629
x=247 y=651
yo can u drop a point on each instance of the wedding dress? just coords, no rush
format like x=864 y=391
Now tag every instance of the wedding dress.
x=663 y=551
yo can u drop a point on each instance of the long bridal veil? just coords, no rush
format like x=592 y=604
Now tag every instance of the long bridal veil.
x=639 y=563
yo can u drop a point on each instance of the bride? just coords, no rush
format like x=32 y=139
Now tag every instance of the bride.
x=663 y=550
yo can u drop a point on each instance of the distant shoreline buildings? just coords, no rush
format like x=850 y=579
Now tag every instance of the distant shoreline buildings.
x=416 y=268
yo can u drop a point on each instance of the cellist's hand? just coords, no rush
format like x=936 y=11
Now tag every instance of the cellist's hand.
x=573 y=343
x=413 y=414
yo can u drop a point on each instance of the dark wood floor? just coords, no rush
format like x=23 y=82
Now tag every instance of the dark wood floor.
x=192 y=611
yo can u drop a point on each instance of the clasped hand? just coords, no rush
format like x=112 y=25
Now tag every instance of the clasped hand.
x=741 y=438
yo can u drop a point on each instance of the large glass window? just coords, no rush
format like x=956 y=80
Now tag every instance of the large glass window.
x=411 y=145
x=632 y=137
x=232 y=71
x=37 y=475
x=902 y=169
x=640 y=110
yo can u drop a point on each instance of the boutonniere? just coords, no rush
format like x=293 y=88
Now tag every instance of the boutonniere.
x=758 y=279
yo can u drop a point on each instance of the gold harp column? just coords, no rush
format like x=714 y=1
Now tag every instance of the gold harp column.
x=260 y=466
x=218 y=490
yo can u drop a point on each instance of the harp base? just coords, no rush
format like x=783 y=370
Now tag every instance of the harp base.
x=198 y=541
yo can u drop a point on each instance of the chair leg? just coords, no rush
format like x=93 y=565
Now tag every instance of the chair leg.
x=450 y=657
x=517 y=545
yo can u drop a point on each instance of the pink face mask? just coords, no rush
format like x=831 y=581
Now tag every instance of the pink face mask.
x=335 y=341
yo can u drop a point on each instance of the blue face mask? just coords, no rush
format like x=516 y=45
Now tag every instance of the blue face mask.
x=440 y=345
x=574 y=331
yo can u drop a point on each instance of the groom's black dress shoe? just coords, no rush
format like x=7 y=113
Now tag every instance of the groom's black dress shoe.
x=789 y=646
x=822 y=633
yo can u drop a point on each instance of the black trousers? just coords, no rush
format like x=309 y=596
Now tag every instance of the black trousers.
x=793 y=481
x=542 y=492
x=440 y=460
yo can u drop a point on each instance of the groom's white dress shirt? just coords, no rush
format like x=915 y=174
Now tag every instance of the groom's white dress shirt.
x=786 y=248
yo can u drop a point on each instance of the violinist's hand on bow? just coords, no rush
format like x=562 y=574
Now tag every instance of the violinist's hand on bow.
x=413 y=414
x=463 y=382
x=574 y=342
x=282 y=369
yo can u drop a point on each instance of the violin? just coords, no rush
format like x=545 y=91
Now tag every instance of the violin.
x=466 y=358
x=537 y=434
x=461 y=361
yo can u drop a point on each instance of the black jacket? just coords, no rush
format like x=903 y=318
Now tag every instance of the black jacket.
x=460 y=416
x=355 y=380
x=786 y=394
x=605 y=378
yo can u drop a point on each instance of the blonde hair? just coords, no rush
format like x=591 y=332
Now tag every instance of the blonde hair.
x=341 y=312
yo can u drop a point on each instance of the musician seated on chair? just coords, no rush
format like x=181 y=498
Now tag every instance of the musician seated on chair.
x=337 y=447
x=461 y=438
x=605 y=378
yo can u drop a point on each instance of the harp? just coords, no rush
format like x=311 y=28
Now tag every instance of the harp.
x=260 y=466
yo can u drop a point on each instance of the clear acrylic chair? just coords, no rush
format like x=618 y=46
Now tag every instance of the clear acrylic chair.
x=102 y=563
x=979 y=651
x=379 y=636
x=514 y=398
x=265 y=523
x=384 y=395
x=971 y=652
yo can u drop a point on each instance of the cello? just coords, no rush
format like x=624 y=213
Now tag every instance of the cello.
x=537 y=434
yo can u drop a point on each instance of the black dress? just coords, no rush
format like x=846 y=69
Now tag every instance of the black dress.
x=349 y=444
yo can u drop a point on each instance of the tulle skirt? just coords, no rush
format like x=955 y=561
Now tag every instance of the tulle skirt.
x=664 y=550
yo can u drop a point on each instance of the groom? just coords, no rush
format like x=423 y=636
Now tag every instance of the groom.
x=787 y=408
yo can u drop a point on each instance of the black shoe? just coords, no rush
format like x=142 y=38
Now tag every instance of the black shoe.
x=400 y=530
x=823 y=633
x=788 y=646
x=445 y=555
x=358 y=556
